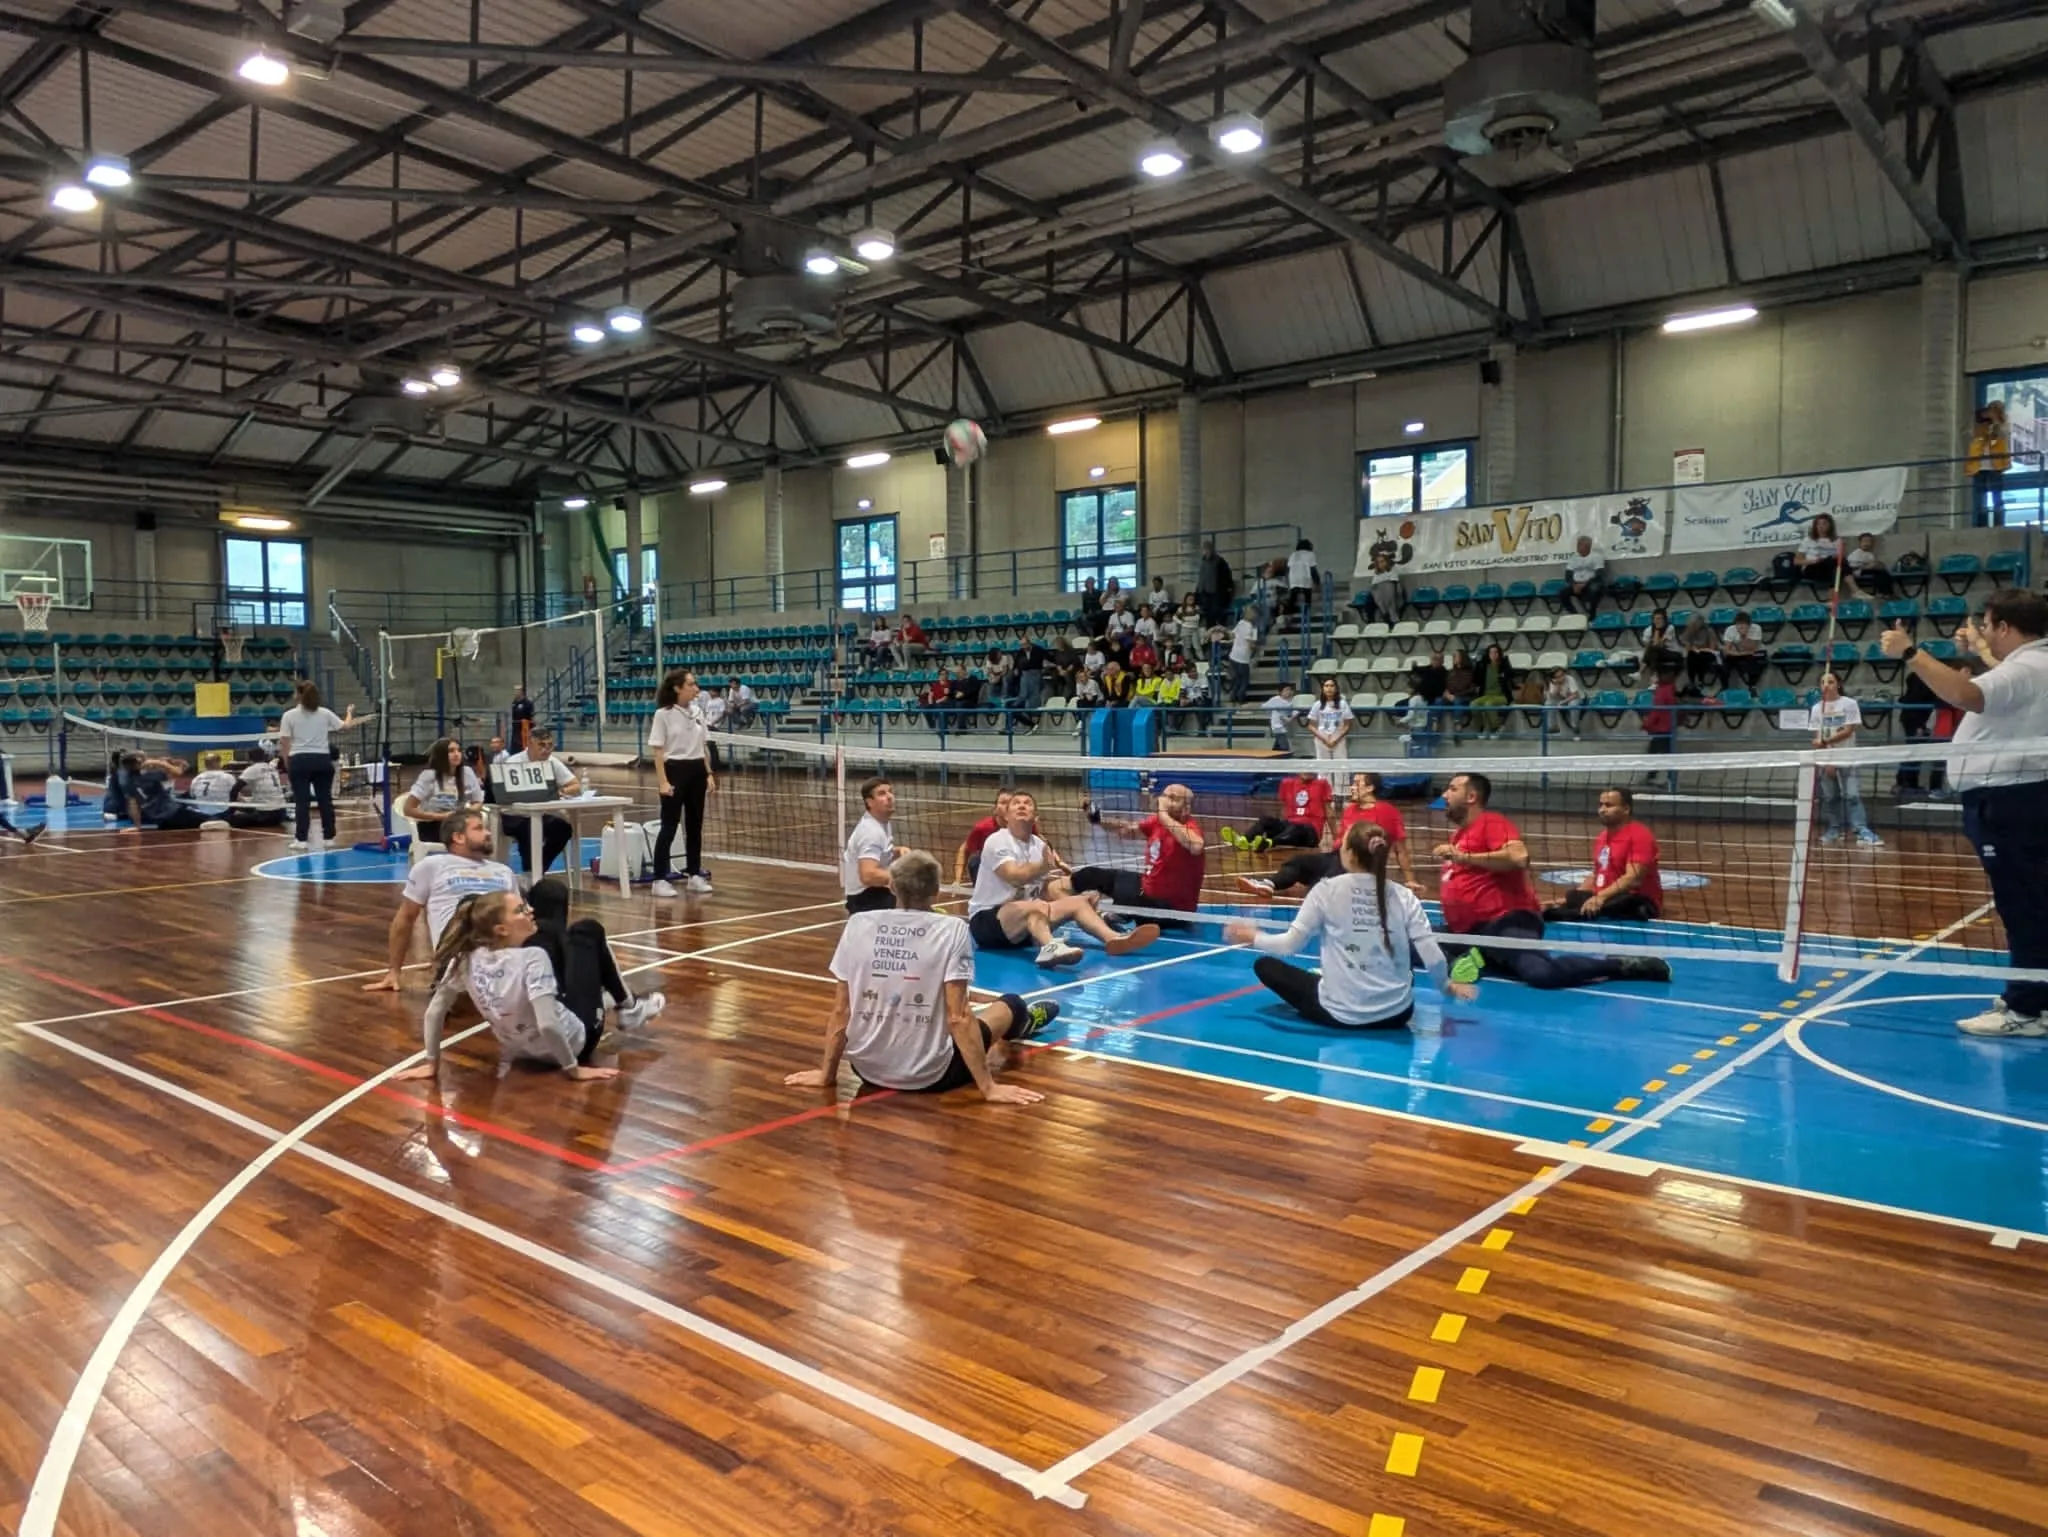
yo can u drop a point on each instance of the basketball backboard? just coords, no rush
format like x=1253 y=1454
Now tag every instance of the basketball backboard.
x=64 y=567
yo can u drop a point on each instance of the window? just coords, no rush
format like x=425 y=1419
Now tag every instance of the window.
x=648 y=579
x=1397 y=481
x=266 y=581
x=1099 y=536
x=2019 y=497
x=867 y=565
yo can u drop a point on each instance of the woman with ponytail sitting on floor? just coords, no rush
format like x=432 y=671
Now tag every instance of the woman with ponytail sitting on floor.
x=1372 y=936
x=543 y=997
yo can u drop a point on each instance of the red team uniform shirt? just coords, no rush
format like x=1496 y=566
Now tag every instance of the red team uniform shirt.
x=1617 y=849
x=1306 y=800
x=1173 y=873
x=1387 y=816
x=1472 y=896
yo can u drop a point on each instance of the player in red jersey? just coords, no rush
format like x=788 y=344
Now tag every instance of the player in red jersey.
x=1172 y=877
x=967 y=860
x=1486 y=892
x=1303 y=822
x=1301 y=873
x=1623 y=884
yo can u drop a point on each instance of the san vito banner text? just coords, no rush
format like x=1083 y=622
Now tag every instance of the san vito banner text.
x=1775 y=514
x=1520 y=534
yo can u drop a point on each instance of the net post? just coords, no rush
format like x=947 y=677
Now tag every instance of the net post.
x=384 y=725
x=839 y=776
x=1802 y=847
x=597 y=655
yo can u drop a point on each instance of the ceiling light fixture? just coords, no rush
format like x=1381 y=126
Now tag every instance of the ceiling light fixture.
x=445 y=376
x=874 y=245
x=865 y=504
x=587 y=333
x=867 y=461
x=416 y=387
x=1708 y=320
x=1774 y=13
x=706 y=487
x=1161 y=161
x=624 y=319
x=108 y=171
x=264 y=68
x=73 y=197
x=575 y=503
x=1096 y=472
x=1073 y=424
x=263 y=525
x=1239 y=133
x=1414 y=429
x=821 y=264
x=1333 y=379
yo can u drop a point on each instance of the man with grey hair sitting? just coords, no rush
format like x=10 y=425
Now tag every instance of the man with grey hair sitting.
x=900 y=1016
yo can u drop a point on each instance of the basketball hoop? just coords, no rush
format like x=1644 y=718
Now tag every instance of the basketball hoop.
x=35 y=609
x=232 y=640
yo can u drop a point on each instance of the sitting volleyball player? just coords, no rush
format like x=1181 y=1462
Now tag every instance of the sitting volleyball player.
x=537 y=1012
x=436 y=886
x=899 y=1004
x=1021 y=895
x=1373 y=933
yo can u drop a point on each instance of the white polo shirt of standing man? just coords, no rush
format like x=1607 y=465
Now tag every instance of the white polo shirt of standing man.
x=2004 y=793
x=870 y=851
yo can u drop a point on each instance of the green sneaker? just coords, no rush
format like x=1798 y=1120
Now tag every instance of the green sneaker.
x=1037 y=1021
x=1466 y=968
x=1233 y=838
x=1260 y=844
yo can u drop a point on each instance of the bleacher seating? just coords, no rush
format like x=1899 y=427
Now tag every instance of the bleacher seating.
x=121 y=678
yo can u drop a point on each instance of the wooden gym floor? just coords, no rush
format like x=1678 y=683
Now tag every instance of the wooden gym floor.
x=695 y=1302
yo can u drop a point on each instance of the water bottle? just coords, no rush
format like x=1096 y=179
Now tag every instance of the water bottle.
x=56 y=793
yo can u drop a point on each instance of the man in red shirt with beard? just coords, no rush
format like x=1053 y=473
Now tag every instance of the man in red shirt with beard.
x=1172 y=877
x=1623 y=884
x=1486 y=892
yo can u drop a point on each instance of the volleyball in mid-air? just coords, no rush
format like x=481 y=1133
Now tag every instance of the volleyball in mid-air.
x=965 y=442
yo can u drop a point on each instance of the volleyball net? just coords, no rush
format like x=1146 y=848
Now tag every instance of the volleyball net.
x=1852 y=858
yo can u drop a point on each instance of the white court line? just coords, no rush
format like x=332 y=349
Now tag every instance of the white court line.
x=1060 y=1476
x=39 y=1520
x=735 y=944
x=53 y=1474
x=1795 y=1038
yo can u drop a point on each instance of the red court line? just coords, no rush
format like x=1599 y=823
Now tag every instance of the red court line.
x=321 y=1069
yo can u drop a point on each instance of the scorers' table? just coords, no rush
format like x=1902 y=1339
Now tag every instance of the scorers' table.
x=529 y=790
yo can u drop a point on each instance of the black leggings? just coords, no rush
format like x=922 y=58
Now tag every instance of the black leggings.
x=1283 y=833
x=871 y=899
x=1539 y=968
x=554 y=838
x=182 y=820
x=1626 y=908
x=688 y=778
x=312 y=776
x=1305 y=870
x=1301 y=990
x=585 y=971
x=1126 y=888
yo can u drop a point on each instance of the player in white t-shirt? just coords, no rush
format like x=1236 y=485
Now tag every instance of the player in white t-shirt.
x=864 y=867
x=437 y=884
x=1372 y=931
x=1021 y=895
x=1835 y=720
x=211 y=787
x=899 y=1010
x=489 y=951
x=261 y=784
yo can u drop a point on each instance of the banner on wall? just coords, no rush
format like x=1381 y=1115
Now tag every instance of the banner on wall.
x=1745 y=514
x=1542 y=533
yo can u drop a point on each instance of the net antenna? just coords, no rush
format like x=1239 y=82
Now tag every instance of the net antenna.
x=34 y=595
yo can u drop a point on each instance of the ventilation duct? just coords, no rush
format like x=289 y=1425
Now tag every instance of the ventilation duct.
x=1528 y=92
x=776 y=306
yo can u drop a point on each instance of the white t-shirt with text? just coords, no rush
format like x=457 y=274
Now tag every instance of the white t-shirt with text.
x=896 y=966
x=1363 y=980
x=437 y=797
x=440 y=882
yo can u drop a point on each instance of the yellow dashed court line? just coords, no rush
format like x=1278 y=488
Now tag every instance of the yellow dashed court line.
x=1497 y=1239
x=1626 y=1105
x=1654 y=1086
x=1448 y=1327
x=1576 y=1142
x=1523 y=1207
x=1705 y=1054
x=1679 y=1069
x=1603 y=1124
x=1473 y=1281
x=1752 y=1028
x=1789 y=1003
x=1405 y=1455
x=1770 y=1016
x=1386 y=1526
x=1824 y=983
x=1809 y=993
x=1429 y=1381
x=1726 y=1040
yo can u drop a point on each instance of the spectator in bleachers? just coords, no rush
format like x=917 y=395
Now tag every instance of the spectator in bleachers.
x=1194 y=694
x=1742 y=652
x=1990 y=457
x=1062 y=669
x=742 y=709
x=1660 y=646
x=1330 y=721
x=1147 y=626
x=912 y=644
x=1191 y=622
x=1817 y=557
x=1461 y=686
x=1835 y=721
x=1088 y=693
x=881 y=642
x=1585 y=578
x=1702 y=652
x=1095 y=659
x=1094 y=619
x=1660 y=720
x=1143 y=653
x=1387 y=598
x=1145 y=687
x=1001 y=676
x=1281 y=711
x=1160 y=597
x=1116 y=684
x=1302 y=577
x=936 y=696
x=1243 y=638
x=1565 y=701
x=1122 y=622
x=1215 y=586
x=1429 y=678
x=1167 y=618
x=1867 y=568
x=1496 y=689
x=1028 y=668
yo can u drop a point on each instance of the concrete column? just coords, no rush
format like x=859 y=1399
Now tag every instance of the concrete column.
x=1497 y=427
x=1190 y=492
x=145 y=569
x=959 y=533
x=1941 y=396
x=771 y=537
x=630 y=506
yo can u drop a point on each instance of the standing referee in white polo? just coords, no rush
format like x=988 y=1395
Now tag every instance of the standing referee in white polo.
x=2005 y=794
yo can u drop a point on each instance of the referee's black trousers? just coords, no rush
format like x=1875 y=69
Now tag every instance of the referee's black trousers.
x=2008 y=826
x=688 y=779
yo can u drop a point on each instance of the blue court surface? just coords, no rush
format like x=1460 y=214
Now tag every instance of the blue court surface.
x=358 y=867
x=1851 y=1084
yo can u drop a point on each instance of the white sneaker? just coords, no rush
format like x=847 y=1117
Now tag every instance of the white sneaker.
x=2000 y=1020
x=637 y=1014
x=666 y=889
x=1831 y=836
x=297 y=845
x=1868 y=838
x=699 y=885
x=1058 y=954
